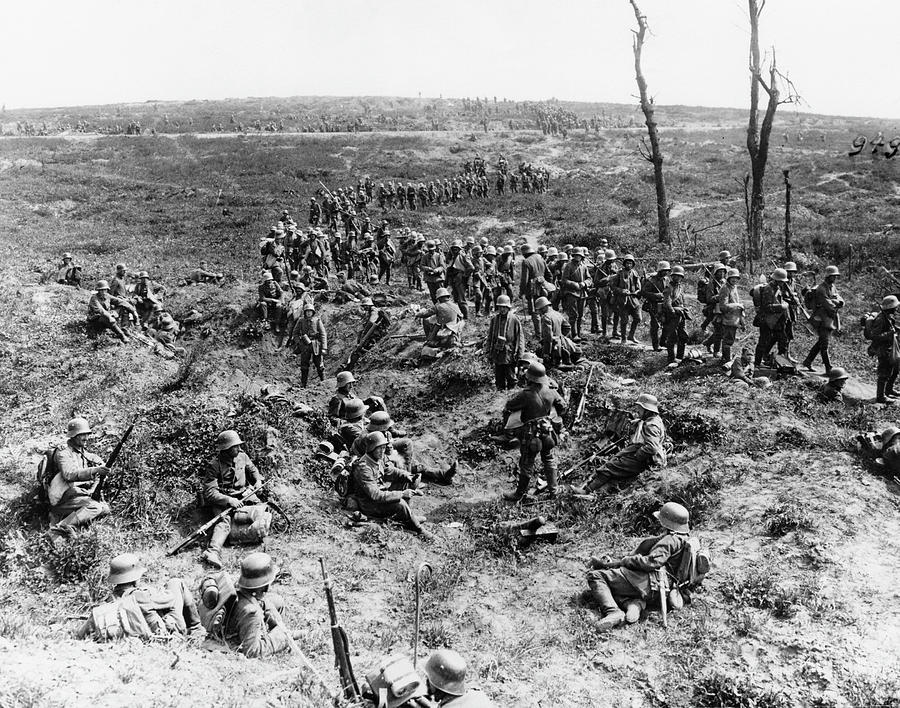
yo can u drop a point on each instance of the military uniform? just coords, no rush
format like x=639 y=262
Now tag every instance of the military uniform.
x=69 y=493
x=434 y=269
x=222 y=480
x=253 y=628
x=505 y=346
x=574 y=282
x=609 y=314
x=674 y=313
x=271 y=305
x=652 y=292
x=771 y=317
x=626 y=284
x=825 y=318
x=459 y=269
x=372 y=499
x=311 y=342
x=531 y=285
x=535 y=404
x=883 y=347
x=646 y=448
x=552 y=337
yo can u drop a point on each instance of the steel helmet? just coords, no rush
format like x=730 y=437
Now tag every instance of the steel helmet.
x=628 y=257
x=890 y=303
x=889 y=434
x=552 y=251
x=470 y=239
x=838 y=373
x=541 y=302
x=446 y=671
x=568 y=247
x=780 y=275
x=719 y=266
x=563 y=257
x=309 y=306
x=125 y=568
x=732 y=273
x=456 y=244
x=678 y=270
x=609 y=255
x=344 y=378
x=483 y=241
x=542 y=249
x=832 y=270
x=648 y=402
x=367 y=302
x=503 y=301
x=227 y=439
x=790 y=267
x=674 y=517
x=379 y=421
x=508 y=249
x=257 y=570
x=663 y=265
x=527 y=249
x=67 y=256
x=77 y=426
x=143 y=274
x=536 y=373
x=102 y=285
x=268 y=275
x=490 y=251
x=579 y=251
x=476 y=248
x=441 y=292
x=325 y=448
x=354 y=409
x=429 y=244
x=374 y=440
x=724 y=254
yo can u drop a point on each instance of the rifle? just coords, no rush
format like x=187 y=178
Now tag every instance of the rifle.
x=600 y=453
x=340 y=643
x=202 y=531
x=664 y=596
x=97 y=491
x=579 y=412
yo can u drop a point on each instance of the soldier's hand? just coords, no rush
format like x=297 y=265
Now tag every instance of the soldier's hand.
x=235 y=503
x=102 y=471
x=406 y=494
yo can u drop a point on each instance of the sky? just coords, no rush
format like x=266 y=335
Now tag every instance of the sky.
x=841 y=55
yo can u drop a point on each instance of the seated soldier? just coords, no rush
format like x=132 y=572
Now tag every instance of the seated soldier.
x=203 y=275
x=102 y=312
x=72 y=481
x=354 y=424
x=162 y=612
x=370 y=494
x=374 y=325
x=271 y=302
x=226 y=478
x=830 y=392
x=445 y=674
x=646 y=448
x=741 y=371
x=254 y=624
x=627 y=581
x=349 y=290
x=344 y=393
x=69 y=273
x=146 y=297
x=443 y=321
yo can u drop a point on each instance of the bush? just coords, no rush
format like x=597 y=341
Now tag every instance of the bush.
x=786 y=515
x=84 y=557
x=691 y=427
x=761 y=588
x=719 y=690
x=459 y=375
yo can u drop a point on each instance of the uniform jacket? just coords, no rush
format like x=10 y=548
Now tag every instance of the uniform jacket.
x=443 y=313
x=433 y=266
x=248 y=626
x=600 y=276
x=771 y=306
x=471 y=699
x=99 y=307
x=118 y=287
x=367 y=476
x=227 y=479
x=575 y=279
x=532 y=275
x=351 y=432
x=75 y=472
x=651 y=555
x=269 y=290
x=674 y=308
x=649 y=437
x=882 y=329
x=729 y=295
x=314 y=330
x=511 y=350
x=551 y=332
x=652 y=291
x=826 y=302
x=623 y=283
x=336 y=407
x=459 y=265
x=536 y=401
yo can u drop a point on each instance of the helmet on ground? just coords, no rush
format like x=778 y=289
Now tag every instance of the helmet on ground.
x=890 y=303
x=257 y=570
x=446 y=671
x=344 y=378
x=628 y=257
x=838 y=373
x=541 y=302
x=648 y=402
x=380 y=421
x=724 y=255
x=354 y=409
x=536 y=373
x=441 y=292
x=609 y=255
x=832 y=270
x=367 y=302
x=325 y=448
x=456 y=244
x=678 y=270
x=889 y=434
x=663 y=265
x=227 y=439
x=674 y=517
x=790 y=267
x=780 y=275
x=125 y=568
x=552 y=251
x=77 y=426
x=374 y=440
x=102 y=285
x=732 y=273
x=503 y=301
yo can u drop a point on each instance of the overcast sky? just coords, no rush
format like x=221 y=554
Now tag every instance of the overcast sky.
x=841 y=55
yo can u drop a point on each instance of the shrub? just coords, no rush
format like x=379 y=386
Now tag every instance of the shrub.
x=786 y=515
x=459 y=375
x=84 y=557
x=719 y=690
x=692 y=427
x=761 y=588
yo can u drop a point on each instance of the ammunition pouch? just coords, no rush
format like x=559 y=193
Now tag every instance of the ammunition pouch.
x=250 y=525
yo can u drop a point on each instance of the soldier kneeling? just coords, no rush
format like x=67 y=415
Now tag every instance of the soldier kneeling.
x=445 y=672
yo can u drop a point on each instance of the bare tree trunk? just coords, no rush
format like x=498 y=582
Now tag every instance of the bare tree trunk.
x=654 y=154
x=787 y=214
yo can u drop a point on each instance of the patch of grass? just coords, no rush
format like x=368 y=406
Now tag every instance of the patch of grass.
x=14 y=625
x=763 y=589
x=84 y=558
x=693 y=427
x=786 y=515
x=459 y=376
x=719 y=690
x=868 y=691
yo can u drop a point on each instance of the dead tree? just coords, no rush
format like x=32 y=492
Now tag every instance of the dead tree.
x=758 y=135
x=653 y=154
x=787 y=214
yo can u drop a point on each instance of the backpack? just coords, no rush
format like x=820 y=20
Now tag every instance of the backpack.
x=866 y=322
x=809 y=298
x=693 y=567
x=702 y=286
x=264 y=245
x=46 y=470
x=217 y=597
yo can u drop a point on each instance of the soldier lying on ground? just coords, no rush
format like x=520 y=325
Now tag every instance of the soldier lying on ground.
x=203 y=275
x=445 y=674
x=626 y=581
x=254 y=624
x=140 y=612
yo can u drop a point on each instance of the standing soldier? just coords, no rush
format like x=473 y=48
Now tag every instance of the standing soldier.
x=310 y=341
x=434 y=269
x=605 y=298
x=551 y=333
x=531 y=282
x=505 y=344
x=652 y=292
x=626 y=284
x=771 y=314
x=535 y=404
x=315 y=212
x=731 y=311
x=459 y=268
x=386 y=252
x=883 y=331
x=575 y=280
x=711 y=311
x=506 y=272
x=826 y=317
x=674 y=314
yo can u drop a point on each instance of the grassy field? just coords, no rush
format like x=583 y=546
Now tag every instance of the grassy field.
x=800 y=608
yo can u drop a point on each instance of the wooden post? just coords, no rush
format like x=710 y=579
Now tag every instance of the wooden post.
x=787 y=214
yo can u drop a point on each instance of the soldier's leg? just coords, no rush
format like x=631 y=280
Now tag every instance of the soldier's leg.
x=814 y=352
x=654 y=332
x=891 y=380
x=549 y=463
x=432 y=289
x=500 y=376
x=671 y=340
x=526 y=466
x=79 y=511
x=305 y=358
x=682 y=337
x=318 y=362
x=604 y=318
x=824 y=341
x=217 y=540
x=635 y=319
x=592 y=307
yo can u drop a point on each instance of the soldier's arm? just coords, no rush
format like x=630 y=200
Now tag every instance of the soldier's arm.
x=256 y=640
x=517 y=402
x=520 y=339
x=656 y=558
x=367 y=485
x=210 y=491
x=323 y=336
x=71 y=471
x=653 y=438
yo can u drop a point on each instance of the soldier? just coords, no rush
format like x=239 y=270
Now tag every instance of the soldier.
x=711 y=311
x=271 y=302
x=883 y=330
x=575 y=281
x=534 y=405
x=506 y=272
x=730 y=310
x=626 y=284
x=386 y=251
x=459 y=269
x=101 y=314
x=652 y=293
x=69 y=273
x=831 y=392
x=144 y=297
x=551 y=333
x=254 y=624
x=674 y=315
x=342 y=395
x=609 y=312
x=627 y=581
x=784 y=344
x=434 y=269
x=414 y=262
x=742 y=370
x=225 y=478
x=826 y=317
x=72 y=481
x=531 y=283
x=118 y=285
x=375 y=324
x=445 y=673
x=771 y=315
x=505 y=344
x=204 y=275
x=368 y=475
x=274 y=253
x=443 y=314
x=646 y=448
x=164 y=613
x=310 y=341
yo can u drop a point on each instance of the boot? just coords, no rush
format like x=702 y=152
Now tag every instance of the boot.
x=212 y=557
x=520 y=491
x=889 y=391
x=726 y=353
x=631 y=333
x=633 y=610
x=654 y=340
x=551 y=476
x=304 y=377
x=611 y=615
x=321 y=372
